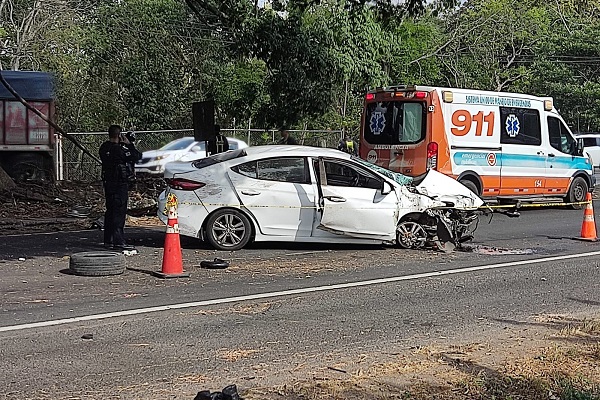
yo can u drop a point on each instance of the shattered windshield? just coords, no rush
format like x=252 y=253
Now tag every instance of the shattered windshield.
x=398 y=178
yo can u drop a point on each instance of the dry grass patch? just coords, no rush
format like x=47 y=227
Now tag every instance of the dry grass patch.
x=558 y=367
x=235 y=355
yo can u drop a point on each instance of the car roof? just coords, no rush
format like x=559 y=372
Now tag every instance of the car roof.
x=292 y=150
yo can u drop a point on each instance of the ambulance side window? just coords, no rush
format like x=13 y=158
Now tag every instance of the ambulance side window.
x=560 y=139
x=520 y=126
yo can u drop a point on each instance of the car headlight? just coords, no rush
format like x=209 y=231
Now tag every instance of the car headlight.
x=158 y=158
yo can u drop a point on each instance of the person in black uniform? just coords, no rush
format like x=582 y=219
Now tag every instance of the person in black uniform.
x=116 y=155
x=219 y=145
x=285 y=137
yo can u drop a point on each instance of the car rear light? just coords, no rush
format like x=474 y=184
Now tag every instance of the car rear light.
x=184 y=184
x=432 y=155
x=370 y=96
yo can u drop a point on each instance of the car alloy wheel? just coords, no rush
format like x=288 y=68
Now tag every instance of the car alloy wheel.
x=228 y=230
x=410 y=235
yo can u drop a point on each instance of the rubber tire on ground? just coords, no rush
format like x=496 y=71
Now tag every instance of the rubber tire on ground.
x=217 y=263
x=247 y=229
x=470 y=185
x=97 y=263
x=577 y=192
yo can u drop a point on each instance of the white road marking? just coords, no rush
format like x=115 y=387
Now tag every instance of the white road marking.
x=281 y=293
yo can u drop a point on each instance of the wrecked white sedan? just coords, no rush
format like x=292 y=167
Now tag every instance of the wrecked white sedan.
x=308 y=194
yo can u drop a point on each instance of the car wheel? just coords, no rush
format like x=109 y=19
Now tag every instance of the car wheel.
x=470 y=185
x=97 y=263
x=577 y=192
x=228 y=230
x=410 y=235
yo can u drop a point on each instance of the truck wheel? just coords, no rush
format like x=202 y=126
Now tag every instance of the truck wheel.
x=27 y=167
x=577 y=192
x=470 y=185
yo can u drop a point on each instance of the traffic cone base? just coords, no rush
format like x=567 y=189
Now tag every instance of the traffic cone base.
x=172 y=264
x=588 y=228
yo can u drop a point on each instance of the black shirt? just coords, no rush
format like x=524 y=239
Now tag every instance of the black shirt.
x=115 y=157
x=289 y=140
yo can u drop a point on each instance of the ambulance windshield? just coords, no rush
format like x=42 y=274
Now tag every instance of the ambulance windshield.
x=394 y=122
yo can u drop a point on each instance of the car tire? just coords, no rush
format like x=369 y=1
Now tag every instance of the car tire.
x=97 y=263
x=228 y=229
x=470 y=185
x=577 y=192
x=410 y=235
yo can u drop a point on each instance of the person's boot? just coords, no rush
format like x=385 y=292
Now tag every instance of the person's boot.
x=203 y=395
x=230 y=393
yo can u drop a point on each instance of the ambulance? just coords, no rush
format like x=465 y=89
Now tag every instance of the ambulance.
x=499 y=145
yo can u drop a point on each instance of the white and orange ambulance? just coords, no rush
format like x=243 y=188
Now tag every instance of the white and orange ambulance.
x=499 y=145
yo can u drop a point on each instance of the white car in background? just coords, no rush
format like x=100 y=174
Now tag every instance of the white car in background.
x=591 y=147
x=183 y=149
x=309 y=194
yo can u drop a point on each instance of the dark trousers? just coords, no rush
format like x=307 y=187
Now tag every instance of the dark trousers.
x=116 y=208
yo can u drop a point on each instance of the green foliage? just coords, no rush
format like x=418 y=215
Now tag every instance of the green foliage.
x=141 y=63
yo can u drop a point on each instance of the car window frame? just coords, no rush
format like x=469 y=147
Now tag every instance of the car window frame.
x=307 y=175
x=350 y=164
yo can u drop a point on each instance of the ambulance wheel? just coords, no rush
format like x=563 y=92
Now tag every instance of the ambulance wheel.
x=470 y=185
x=577 y=192
x=410 y=235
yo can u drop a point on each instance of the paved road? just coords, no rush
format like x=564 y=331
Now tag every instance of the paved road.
x=421 y=297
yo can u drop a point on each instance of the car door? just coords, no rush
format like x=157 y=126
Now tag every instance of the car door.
x=279 y=194
x=352 y=202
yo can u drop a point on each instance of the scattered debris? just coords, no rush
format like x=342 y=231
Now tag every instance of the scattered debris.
x=228 y=393
x=87 y=336
x=491 y=250
x=217 y=263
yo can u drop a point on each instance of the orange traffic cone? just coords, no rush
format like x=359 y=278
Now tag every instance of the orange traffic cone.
x=588 y=228
x=172 y=264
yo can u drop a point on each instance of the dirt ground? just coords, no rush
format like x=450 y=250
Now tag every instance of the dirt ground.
x=67 y=205
x=549 y=357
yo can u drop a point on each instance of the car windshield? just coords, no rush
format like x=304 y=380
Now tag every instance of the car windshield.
x=397 y=177
x=179 y=144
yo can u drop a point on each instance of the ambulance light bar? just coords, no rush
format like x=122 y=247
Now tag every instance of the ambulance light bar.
x=370 y=96
x=548 y=105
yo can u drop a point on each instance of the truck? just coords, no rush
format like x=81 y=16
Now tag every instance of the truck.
x=26 y=140
x=502 y=146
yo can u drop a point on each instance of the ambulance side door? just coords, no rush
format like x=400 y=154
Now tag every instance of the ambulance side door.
x=524 y=157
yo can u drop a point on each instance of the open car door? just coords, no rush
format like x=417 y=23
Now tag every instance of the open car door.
x=355 y=202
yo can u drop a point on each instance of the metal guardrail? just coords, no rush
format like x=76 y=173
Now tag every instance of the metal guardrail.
x=73 y=164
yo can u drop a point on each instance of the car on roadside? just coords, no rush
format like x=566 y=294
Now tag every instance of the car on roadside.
x=183 y=149
x=309 y=194
x=591 y=146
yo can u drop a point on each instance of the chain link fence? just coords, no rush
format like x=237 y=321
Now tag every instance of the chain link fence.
x=73 y=164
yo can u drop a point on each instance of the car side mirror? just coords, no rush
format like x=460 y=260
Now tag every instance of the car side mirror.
x=580 y=147
x=386 y=188
x=196 y=149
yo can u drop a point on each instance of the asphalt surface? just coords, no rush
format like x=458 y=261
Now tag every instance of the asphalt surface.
x=175 y=353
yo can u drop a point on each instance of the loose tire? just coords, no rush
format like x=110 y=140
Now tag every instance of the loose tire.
x=228 y=229
x=97 y=263
x=577 y=192
x=410 y=235
x=470 y=185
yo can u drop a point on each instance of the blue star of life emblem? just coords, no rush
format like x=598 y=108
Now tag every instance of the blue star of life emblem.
x=377 y=122
x=512 y=126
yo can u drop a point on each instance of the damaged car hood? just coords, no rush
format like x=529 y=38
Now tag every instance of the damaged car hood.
x=443 y=188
